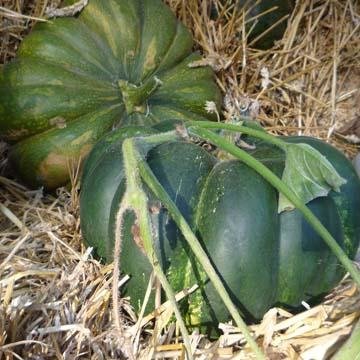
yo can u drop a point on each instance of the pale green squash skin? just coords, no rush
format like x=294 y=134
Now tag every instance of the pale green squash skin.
x=264 y=258
x=63 y=91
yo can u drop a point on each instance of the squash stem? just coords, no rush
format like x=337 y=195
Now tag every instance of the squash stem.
x=119 y=326
x=263 y=135
x=150 y=180
x=145 y=143
x=138 y=202
x=277 y=183
x=134 y=97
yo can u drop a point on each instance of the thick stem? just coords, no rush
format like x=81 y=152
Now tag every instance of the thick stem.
x=138 y=202
x=134 y=97
x=157 y=139
x=119 y=326
x=284 y=189
x=150 y=179
x=145 y=143
x=240 y=128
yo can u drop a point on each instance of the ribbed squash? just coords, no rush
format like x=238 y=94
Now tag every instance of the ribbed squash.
x=119 y=62
x=263 y=258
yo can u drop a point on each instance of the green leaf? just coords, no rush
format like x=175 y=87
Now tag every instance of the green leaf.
x=309 y=175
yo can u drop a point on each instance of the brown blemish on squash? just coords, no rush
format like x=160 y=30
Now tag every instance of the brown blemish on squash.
x=58 y=122
x=17 y=134
x=56 y=168
x=135 y=231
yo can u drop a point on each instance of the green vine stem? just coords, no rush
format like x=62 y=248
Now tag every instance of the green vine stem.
x=151 y=181
x=118 y=324
x=276 y=182
x=275 y=140
x=136 y=200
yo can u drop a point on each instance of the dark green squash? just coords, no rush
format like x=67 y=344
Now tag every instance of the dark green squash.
x=119 y=62
x=264 y=20
x=263 y=258
x=260 y=16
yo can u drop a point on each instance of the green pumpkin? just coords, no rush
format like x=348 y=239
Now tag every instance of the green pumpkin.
x=261 y=15
x=265 y=21
x=119 y=62
x=263 y=258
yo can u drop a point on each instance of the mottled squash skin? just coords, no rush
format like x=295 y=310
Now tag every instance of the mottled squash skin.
x=119 y=62
x=263 y=258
